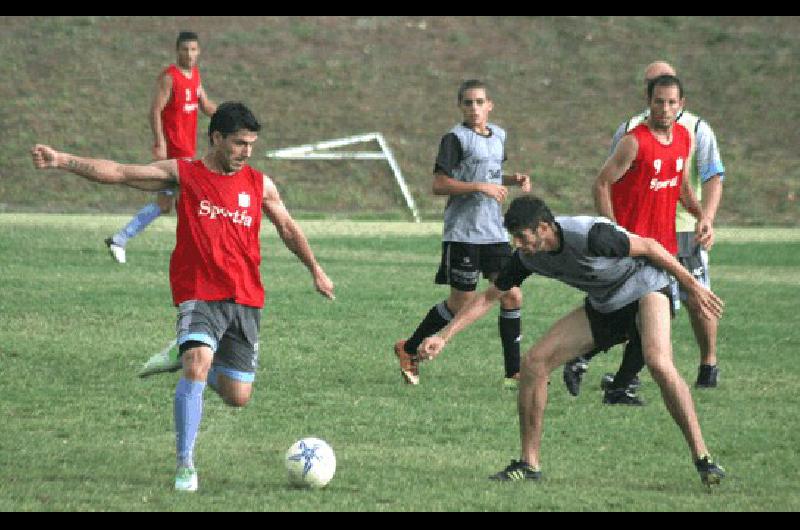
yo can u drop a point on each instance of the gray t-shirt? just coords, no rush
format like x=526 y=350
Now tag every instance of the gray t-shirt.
x=594 y=257
x=471 y=157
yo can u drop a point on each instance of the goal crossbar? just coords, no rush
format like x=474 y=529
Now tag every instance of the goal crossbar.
x=322 y=151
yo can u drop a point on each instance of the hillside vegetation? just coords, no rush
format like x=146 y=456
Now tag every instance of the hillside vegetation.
x=561 y=85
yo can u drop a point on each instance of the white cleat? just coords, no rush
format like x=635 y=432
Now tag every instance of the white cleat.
x=117 y=252
x=186 y=479
x=167 y=360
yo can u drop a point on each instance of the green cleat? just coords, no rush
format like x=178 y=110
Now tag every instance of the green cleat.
x=186 y=479
x=167 y=360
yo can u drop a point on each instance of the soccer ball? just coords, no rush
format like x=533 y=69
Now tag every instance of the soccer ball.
x=310 y=463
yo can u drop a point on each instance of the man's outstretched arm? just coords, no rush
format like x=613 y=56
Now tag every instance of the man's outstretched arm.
x=159 y=175
x=474 y=310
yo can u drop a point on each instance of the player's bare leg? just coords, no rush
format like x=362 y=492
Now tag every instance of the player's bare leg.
x=234 y=393
x=570 y=334
x=165 y=202
x=705 y=333
x=654 y=327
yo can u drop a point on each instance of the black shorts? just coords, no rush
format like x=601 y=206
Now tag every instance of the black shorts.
x=617 y=327
x=463 y=263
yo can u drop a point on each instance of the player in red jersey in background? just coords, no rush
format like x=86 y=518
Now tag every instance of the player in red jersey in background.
x=639 y=188
x=173 y=119
x=214 y=270
x=640 y=185
x=705 y=173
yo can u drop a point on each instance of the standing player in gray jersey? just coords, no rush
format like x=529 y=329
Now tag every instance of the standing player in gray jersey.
x=469 y=170
x=626 y=283
x=705 y=173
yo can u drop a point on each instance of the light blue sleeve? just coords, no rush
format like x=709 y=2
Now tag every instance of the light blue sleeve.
x=621 y=130
x=706 y=154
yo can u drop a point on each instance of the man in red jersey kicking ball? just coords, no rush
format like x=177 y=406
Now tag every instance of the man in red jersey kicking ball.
x=214 y=269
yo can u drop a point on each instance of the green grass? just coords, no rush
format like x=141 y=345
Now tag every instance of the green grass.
x=81 y=432
x=561 y=86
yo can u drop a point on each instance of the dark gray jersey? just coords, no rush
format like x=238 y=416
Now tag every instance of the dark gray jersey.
x=470 y=157
x=594 y=257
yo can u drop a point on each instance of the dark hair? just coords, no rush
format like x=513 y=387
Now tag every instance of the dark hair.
x=527 y=211
x=230 y=117
x=664 y=80
x=185 y=36
x=469 y=84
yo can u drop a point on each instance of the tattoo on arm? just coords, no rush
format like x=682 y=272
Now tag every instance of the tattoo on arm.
x=74 y=165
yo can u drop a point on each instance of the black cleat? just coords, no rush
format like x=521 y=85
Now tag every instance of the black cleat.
x=517 y=470
x=608 y=379
x=573 y=374
x=707 y=376
x=622 y=396
x=710 y=473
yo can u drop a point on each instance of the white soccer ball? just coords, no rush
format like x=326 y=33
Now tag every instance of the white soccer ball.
x=310 y=463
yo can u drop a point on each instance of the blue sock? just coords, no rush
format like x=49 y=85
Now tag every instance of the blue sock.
x=212 y=379
x=188 y=412
x=143 y=217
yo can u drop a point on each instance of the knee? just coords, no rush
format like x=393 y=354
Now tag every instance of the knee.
x=237 y=399
x=534 y=364
x=661 y=370
x=458 y=299
x=165 y=203
x=512 y=299
x=196 y=367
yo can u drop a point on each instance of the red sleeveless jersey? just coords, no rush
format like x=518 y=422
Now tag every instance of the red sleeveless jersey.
x=179 y=116
x=217 y=252
x=647 y=195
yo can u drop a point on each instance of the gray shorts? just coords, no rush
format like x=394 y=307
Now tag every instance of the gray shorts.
x=695 y=260
x=229 y=329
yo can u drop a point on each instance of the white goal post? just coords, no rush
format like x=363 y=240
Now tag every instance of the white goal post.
x=322 y=151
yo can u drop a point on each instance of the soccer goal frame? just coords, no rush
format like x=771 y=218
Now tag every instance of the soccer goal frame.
x=322 y=151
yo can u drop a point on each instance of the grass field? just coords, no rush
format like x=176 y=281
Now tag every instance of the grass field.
x=81 y=432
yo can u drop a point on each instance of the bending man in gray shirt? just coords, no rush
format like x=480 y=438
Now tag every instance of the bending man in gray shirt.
x=625 y=279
